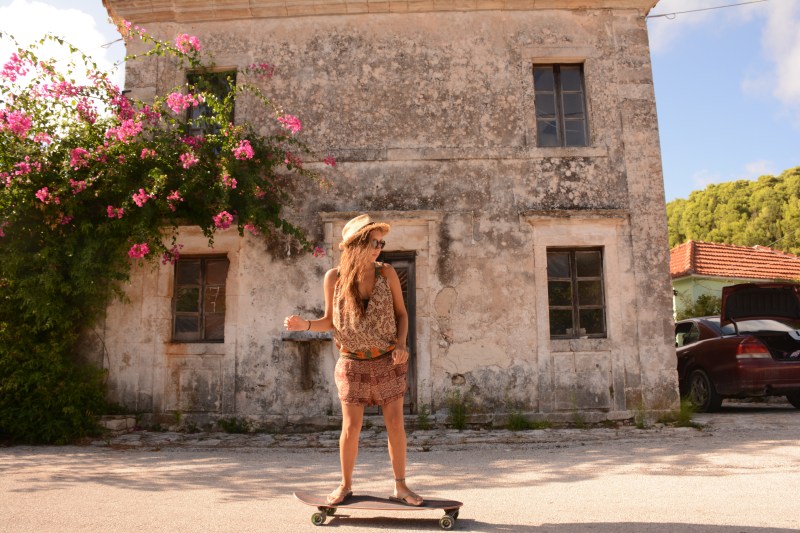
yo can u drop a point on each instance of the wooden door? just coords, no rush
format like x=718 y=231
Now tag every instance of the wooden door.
x=403 y=263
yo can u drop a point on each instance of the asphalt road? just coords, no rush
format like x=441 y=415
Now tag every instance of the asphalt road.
x=741 y=473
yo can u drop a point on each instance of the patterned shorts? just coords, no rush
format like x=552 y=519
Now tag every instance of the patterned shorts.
x=370 y=382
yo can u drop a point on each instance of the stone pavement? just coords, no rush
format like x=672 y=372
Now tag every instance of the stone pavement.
x=749 y=417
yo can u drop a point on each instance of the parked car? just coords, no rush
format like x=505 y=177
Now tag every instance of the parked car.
x=752 y=350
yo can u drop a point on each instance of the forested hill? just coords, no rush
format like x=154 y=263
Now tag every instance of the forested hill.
x=744 y=212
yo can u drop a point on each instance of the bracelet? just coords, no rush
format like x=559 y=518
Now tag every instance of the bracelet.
x=309 y=325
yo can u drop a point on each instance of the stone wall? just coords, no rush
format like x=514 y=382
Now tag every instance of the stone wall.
x=431 y=118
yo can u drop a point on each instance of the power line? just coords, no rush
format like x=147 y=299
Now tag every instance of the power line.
x=671 y=16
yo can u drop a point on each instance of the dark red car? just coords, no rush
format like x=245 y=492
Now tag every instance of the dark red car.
x=751 y=350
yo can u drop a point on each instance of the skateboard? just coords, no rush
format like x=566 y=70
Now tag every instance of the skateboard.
x=374 y=503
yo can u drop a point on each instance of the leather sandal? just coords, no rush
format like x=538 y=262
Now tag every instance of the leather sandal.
x=344 y=495
x=404 y=499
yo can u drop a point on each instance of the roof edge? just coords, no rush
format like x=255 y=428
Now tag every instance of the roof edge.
x=216 y=10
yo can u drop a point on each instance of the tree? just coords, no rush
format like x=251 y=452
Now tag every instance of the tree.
x=93 y=182
x=748 y=213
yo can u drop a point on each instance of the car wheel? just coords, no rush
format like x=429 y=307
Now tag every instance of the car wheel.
x=702 y=392
x=794 y=399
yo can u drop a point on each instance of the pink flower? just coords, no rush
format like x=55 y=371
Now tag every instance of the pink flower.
x=125 y=110
x=193 y=140
x=79 y=157
x=114 y=212
x=126 y=131
x=141 y=197
x=43 y=138
x=223 y=220
x=251 y=228
x=188 y=160
x=5 y=177
x=15 y=67
x=330 y=161
x=179 y=102
x=187 y=43
x=18 y=122
x=60 y=90
x=318 y=252
x=229 y=181
x=293 y=160
x=86 y=110
x=65 y=219
x=262 y=70
x=26 y=167
x=138 y=251
x=77 y=186
x=146 y=152
x=43 y=195
x=244 y=150
x=172 y=255
x=173 y=198
x=291 y=123
x=2 y=226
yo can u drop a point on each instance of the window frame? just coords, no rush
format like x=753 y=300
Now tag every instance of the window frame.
x=202 y=110
x=560 y=116
x=201 y=313
x=576 y=307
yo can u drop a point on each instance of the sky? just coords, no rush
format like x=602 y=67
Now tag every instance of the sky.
x=727 y=81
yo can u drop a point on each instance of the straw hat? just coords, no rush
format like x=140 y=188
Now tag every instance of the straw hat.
x=357 y=226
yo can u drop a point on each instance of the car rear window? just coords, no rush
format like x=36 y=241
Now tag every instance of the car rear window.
x=754 y=326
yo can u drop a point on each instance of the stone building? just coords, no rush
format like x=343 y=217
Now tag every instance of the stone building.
x=513 y=147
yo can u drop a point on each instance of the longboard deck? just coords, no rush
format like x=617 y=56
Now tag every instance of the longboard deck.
x=365 y=502
x=375 y=503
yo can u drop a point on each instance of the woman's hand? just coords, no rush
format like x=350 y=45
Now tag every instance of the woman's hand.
x=295 y=323
x=399 y=356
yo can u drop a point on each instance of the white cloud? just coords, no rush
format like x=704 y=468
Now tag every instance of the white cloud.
x=760 y=168
x=29 y=20
x=666 y=30
x=751 y=171
x=781 y=42
x=703 y=178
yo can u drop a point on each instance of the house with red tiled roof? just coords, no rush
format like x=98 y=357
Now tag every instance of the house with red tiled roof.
x=699 y=268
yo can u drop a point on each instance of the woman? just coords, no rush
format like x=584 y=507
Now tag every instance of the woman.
x=364 y=307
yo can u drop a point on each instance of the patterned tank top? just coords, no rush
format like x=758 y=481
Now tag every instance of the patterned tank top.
x=373 y=335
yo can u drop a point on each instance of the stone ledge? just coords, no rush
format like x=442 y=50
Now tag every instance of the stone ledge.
x=216 y=10
x=306 y=336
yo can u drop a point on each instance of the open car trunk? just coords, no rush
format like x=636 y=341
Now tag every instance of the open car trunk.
x=766 y=302
x=784 y=346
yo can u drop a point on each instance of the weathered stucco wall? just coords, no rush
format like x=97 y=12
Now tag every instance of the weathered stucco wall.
x=431 y=118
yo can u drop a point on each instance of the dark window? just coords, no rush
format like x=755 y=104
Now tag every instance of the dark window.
x=560 y=105
x=219 y=84
x=575 y=293
x=686 y=333
x=199 y=300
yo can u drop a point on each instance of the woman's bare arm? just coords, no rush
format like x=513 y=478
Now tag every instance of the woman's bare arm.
x=296 y=323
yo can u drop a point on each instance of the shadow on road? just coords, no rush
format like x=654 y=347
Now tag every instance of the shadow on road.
x=466 y=524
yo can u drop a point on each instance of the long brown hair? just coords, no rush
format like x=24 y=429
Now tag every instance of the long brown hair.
x=354 y=255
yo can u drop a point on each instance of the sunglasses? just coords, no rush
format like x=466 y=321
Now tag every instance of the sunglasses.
x=377 y=244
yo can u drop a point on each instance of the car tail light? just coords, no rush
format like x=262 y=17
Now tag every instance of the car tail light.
x=751 y=348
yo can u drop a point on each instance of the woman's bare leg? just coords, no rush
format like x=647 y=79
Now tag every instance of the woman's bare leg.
x=395 y=427
x=352 y=419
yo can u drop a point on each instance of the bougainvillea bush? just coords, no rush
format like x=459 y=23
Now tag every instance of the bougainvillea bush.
x=92 y=182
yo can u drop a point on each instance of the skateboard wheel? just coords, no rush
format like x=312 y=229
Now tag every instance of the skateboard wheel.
x=330 y=511
x=318 y=519
x=455 y=514
x=446 y=522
